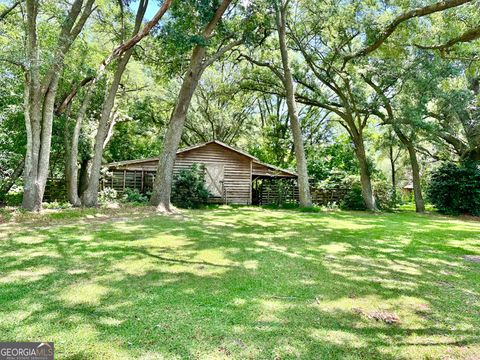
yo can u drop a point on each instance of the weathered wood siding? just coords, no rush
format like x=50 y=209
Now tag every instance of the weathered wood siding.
x=237 y=171
x=263 y=170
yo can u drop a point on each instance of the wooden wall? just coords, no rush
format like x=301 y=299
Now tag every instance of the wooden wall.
x=262 y=170
x=237 y=171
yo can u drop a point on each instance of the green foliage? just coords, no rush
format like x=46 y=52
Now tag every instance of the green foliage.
x=332 y=162
x=455 y=188
x=56 y=205
x=353 y=200
x=107 y=196
x=188 y=189
x=13 y=197
x=385 y=197
x=134 y=196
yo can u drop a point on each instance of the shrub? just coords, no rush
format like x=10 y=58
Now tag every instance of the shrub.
x=353 y=199
x=107 y=195
x=188 y=189
x=14 y=197
x=56 y=205
x=134 y=196
x=386 y=198
x=455 y=188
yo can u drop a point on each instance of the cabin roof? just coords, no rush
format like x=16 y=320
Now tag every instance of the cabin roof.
x=190 y=148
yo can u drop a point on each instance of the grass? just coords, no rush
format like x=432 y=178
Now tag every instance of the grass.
x=241 y=283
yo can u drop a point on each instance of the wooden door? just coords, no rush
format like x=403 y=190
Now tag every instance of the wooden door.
x=214 y=174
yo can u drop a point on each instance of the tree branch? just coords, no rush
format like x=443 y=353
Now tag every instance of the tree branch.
x=7 y=11
x=221 y=52
x=418 y=12
x=264 y=64
x=470 y=35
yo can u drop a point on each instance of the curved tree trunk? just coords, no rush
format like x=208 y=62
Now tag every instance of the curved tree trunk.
x=365 y=179
x=393 y=170
x=71 y=163
x=417 y=186
x=303 y=184
x=90 y=195
x=162 y=187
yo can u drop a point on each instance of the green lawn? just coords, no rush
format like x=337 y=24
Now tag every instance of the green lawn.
x=242 y=283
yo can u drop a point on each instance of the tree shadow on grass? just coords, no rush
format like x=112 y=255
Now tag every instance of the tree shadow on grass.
x=243 y=283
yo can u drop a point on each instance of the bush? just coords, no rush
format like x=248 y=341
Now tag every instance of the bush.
x=386 y=198
x=134 y=196
x=188 y=189
x=455 y=188
x=56 y=205
x=14 y=197
x=353 y=200
x=107 y=195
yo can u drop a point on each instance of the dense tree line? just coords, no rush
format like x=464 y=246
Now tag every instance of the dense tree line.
x=332 y=89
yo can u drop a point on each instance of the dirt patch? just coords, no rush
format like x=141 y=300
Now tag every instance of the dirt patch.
x=469 y=217
x=379 y=315
x=472 y=258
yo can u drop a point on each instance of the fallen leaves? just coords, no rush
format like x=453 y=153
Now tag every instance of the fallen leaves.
x=379 y=315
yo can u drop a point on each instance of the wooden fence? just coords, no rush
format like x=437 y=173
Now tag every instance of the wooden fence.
x=123 y=179
x=286 y=192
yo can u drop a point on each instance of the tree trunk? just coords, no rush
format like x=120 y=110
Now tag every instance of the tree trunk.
x=84 y=173
x=71 y=168
x=32 y=105
x=162 y=186
x=39 y=97
x=417 y=186
x=393 y=170
x=303 y=183
x=90 y=195
x=365 y=180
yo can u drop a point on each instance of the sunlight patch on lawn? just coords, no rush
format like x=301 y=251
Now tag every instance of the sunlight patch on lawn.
x=335 y=248
x=135 y=266
x=338 y=224
x=433 y=347
x=337 y=337
x=470 y=245
x=250 y=264
x=161 y=241
x=110 y=321
x=213 y=257
x=287 y=350
x=84 y=342
x=15 y=318
x=270 y=310
x=89 y=293
x=30 y=238
x=26 y=275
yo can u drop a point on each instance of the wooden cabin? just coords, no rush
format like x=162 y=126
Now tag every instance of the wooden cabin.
x=229 y=172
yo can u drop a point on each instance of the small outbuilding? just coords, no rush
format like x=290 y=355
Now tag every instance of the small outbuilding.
x=231 y=175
